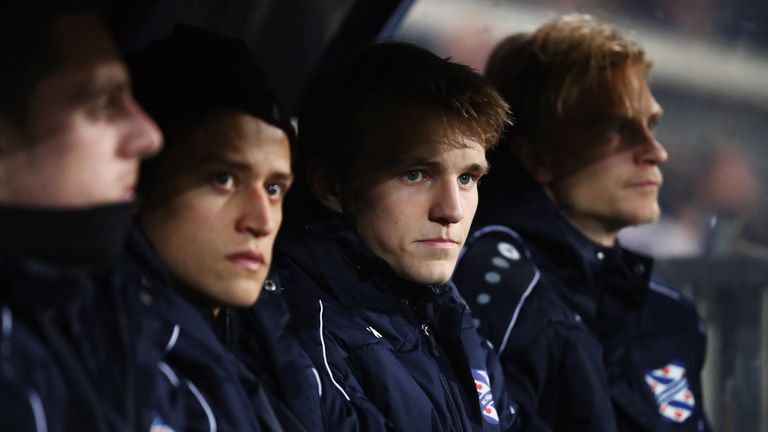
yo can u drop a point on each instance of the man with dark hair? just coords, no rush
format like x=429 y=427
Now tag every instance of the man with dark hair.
x=391 y=145
x=71 y=139
x=588 y=341
x=210 y=208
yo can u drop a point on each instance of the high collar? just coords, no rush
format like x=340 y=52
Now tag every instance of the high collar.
x=87 y=239
x=512 y=197
x=141 y=249
x=348 y=270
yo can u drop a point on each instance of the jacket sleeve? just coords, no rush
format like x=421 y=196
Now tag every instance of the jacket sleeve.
x=507 y=407
x=546 y=354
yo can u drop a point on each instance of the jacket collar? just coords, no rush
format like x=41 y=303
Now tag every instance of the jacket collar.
x=339 y=260
x=89 y=239
x=514 y=198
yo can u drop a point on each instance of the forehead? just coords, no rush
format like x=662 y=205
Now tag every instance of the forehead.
x=86 y=60
x=235 y=135
x=620 y=93
x=415 y=133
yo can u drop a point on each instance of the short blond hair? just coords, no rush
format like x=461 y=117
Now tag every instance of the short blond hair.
x=542 y=74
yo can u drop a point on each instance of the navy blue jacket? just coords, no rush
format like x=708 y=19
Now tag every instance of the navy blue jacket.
x=71 y=357
x=404 y=356
x=263 y=341
x=586 y=338
x=215 y=391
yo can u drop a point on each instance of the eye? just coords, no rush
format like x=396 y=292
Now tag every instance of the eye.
x=105 y=105
x=466 y=179
x=223 y=180
x=413 y=176
x=614 y=128
x=275 y=190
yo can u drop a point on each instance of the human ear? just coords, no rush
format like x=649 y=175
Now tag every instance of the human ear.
x=324 y=187
x=535 y=162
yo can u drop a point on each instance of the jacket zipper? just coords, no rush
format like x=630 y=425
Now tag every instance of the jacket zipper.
x=446 y=389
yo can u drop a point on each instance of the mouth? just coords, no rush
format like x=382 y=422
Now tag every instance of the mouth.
x=440 y=243
x=248 y=260
x=645 y=185
x=129 y=193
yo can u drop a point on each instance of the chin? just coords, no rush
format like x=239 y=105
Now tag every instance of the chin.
x=429 y=274
x=242 y=297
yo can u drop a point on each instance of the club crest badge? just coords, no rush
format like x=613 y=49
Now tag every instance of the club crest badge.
x=669 y=385
x=483 y=386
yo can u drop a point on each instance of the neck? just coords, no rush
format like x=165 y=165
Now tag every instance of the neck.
x=594 y=230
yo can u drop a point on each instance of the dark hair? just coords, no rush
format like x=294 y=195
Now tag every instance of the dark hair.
x=346 y=105
x=191 y=75
x=28 y=48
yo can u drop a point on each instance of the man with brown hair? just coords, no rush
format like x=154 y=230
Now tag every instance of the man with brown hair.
x=391 y=146
x=587 y=339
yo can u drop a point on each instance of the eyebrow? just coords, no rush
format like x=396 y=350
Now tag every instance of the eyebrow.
x=475 y=168
x=233 y=164
x=95 y=83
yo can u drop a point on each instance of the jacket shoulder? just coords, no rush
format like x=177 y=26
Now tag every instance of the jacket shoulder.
x=496 y=275
x=669 y=307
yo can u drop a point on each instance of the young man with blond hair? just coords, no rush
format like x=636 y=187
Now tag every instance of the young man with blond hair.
x=587 y=339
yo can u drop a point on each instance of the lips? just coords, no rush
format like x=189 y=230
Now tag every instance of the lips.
x=248 y=260
x=129 y=192
x=645 y=184
x=440 y=242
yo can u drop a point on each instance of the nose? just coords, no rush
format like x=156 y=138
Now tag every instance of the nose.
x=258 y=217
x=650 y=151
x=446 y=205
x=142 y=137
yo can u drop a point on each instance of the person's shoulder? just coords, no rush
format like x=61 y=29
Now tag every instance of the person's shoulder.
x=661 y=295
x=503 y=286
x=668 y=308
x=495 y=259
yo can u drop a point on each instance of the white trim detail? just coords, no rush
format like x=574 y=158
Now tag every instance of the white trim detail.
x=207 y=408
x=38 y=411
x=325 y=357
x=172 y=341
x=661 y=289
x=169 y=373
x=536 y=276
x=519 y=307
x=319 y=385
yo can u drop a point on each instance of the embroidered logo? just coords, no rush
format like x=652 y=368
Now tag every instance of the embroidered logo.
x=483 y=386
x=670 y=387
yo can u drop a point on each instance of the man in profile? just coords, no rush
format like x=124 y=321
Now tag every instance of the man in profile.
x=71 y=139
x=588 y=341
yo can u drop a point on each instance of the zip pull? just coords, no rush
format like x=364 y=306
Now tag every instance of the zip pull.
x=432 y=344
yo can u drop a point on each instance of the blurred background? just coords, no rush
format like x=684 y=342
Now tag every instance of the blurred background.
x=710 y=75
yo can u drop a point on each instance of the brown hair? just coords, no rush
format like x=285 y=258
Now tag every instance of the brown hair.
x=28 y=48
x=542 y=74
x=346 y=106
